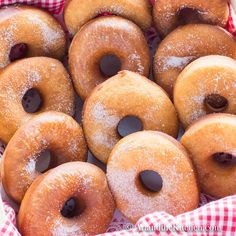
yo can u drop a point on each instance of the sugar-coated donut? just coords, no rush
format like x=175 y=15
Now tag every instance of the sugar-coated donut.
x=53 y=131
x=93 y=209
x=126 y=94
x=151 y=151
x=207 y=85
x=106 y=35
x=211 y=143
x=2 y=148
x=48 y=76
x=167 y=13
x=37 y=29
x=186 y=44
x=79 y=12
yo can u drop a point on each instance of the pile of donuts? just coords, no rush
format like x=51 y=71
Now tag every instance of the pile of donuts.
x=129 y=122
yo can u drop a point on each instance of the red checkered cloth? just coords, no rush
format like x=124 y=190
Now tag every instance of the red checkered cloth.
x=7 y=220
x=53 y=6
x=214 y=218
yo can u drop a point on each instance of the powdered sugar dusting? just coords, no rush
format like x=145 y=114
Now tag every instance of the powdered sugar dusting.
x=61 y=229
x=30 y=166
x=33 y=76
x=107 y=121
x=7 y=41
x=191 y=104
x=49 y=34
x=103 y=139
x=101 y=115
x=137 y=60
x=176 y=62
x=139 y=204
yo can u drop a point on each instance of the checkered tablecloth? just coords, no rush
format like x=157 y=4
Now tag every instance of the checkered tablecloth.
x=212 y=218
x=7 y=220
x=53 y=6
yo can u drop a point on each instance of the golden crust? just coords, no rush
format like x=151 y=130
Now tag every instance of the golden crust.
x=40 y=209
x=79 y=12
x=41 y=32
x=107 y=35
x=53 y=131
x=186 y=44
x=204 y=76
x=126 y=94
x=151 y=150
x=165 y=13
x=207 y=136
x=41 y=73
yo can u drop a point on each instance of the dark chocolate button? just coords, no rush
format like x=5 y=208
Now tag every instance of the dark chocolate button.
x=129 y=125
x=151 y=180
x=69 y=208
x=18 y=51
x=216 y=102
x=224 y=158
x=110 y=65
x=32 y=101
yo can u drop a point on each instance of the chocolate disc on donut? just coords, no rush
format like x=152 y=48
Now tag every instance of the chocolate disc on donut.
x=211 y=143
x=79 y=187
x=26 y=32
x=150 y=171
x=125 y=95
x=79 y=12
x=186 y=44
x=52 y=91
x=205 y=86
x=169 y=14
x=106 y=36
x=53 y=131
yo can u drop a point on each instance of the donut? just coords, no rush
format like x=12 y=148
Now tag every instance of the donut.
x=53 y=131
x=28 y=78
x=186 y=44
x=150 y=171
x=211 y=144
x=72 y=199
x=206 y=86
x=168 y=14
x=2 y=148
x=127 y=102
x=102 y=37
x=79 y=12
x=26 y=32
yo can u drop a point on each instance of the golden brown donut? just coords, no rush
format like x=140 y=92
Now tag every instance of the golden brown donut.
x=40 y=209
x=36 y=28
x=207 y=85
x=151 y=151
x=53 y=131
x=169 y=14
x=186 y=44
x=211 y=143
x=100 y=37
x=48 y=76
x=79 y=12
x=126 y=94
